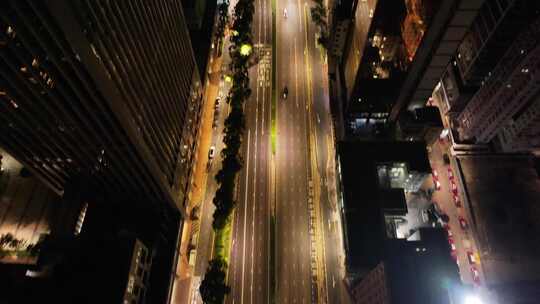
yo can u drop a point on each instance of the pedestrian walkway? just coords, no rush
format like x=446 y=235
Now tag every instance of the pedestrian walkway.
x=184 y=270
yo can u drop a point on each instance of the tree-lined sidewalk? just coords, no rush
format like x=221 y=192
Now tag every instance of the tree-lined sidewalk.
x=213 y=287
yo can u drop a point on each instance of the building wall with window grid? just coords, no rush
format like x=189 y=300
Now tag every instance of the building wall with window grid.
x=486 y=22
x=106 y=89
x=373 y=288
x=513 y=82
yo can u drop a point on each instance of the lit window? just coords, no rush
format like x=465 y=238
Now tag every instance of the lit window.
x=10 y=32
x=35 y=63
x=14 y=104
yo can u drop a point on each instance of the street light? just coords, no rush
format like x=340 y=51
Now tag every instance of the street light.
x=245 y=49
x=472 y=299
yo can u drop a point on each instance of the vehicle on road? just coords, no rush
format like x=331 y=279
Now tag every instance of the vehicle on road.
x=437 y=185
x=216 y=103
x=457 y=202
x=212 y=152
x=450 y=173
x=452 y=244
x=475 y=275
x=462 y=223
x=285 y=92
x=454 y=187
x=471 y=257
x=448 y=230
x=285 y=13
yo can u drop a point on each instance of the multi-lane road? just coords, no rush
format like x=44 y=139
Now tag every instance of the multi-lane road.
x=249 y=271
x=272 y=189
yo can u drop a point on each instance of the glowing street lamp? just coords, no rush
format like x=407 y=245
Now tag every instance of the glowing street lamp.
x=228 y=78
x=471 y=299
x=245 y=49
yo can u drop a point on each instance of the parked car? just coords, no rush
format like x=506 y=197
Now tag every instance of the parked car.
x=448 y=230
x=471 y=257
x=457 y=202
x=435 y=174
x=450 y=173
x=454 y=187
x=475 y=275
x=452 y=244
x=462 y=223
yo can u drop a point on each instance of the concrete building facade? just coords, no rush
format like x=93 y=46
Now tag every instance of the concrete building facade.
x=102 y=101
x=395 y=54
x=505 y=106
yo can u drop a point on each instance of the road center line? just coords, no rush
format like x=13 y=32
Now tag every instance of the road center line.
x=245 y=219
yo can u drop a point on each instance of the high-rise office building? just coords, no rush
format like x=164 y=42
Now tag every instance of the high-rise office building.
x=394 y=55
x=507 y=104
x=488 y=94
x=104 y=95
x=106 y=89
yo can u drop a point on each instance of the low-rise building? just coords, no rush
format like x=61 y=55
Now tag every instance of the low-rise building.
x=393 y=253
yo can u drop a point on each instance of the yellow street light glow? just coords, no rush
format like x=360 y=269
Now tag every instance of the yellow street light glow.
x=245 y=49
x=228 y=78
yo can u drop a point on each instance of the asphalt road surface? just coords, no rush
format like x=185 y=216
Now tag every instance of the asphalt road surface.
x=301 y=68
x=293 y=271
x=249 y=272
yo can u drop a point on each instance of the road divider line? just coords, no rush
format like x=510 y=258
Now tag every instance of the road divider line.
x=253 y=203
x=273 y=143
x=245 y=221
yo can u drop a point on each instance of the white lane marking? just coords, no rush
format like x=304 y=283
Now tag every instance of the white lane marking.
x=254 y=192
x=245 y=219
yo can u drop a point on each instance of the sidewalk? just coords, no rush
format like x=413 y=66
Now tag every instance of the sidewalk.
x=184 y=271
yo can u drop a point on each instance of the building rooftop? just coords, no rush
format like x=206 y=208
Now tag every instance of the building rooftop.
x=422 y=271
x=363 y=199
